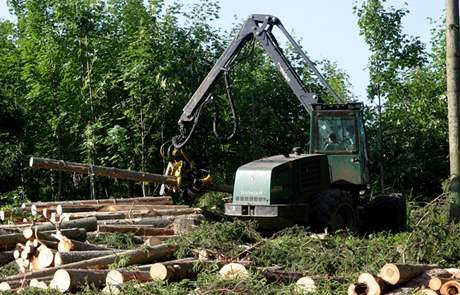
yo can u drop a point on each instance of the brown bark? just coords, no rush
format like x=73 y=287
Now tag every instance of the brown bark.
x=134 y=207
x=71 y=233
x=96 y=170
x=6 y=257
x=9 y=241
x=136 y=230
x=73 y=279
x=420 y=281
x=118 y=277
x=61 y=258
x=394 y=273
x=89 y=224
x=103 y=202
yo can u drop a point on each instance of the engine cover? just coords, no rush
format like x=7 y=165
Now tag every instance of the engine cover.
x=281 y=180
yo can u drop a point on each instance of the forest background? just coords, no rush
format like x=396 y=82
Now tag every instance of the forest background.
x=104 y=82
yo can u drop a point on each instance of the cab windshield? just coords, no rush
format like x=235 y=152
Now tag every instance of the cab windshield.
x=336 y=134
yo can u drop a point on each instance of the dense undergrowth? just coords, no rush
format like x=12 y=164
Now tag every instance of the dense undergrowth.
x=431 y=239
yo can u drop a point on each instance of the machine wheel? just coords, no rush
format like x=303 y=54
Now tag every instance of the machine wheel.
x=333 y=209
x=387 y=212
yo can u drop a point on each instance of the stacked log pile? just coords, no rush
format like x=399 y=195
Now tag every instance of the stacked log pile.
x=52 y=249
x=398 y=279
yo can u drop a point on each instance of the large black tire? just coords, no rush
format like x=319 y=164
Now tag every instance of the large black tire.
x=387 y=213
x=333 y=209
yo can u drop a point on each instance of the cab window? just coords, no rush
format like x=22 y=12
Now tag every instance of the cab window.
x=336 y=134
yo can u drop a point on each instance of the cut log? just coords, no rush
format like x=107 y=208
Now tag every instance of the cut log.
x=135 y=256
x=90 y=224
x=118 y=277
x=71 y=233
x=9 y=241
x=435 y=283
x=60 y=165
x=136 y=230
x=45 y=257
x=394 y=273
x=127 y=201
x=450 y=287
x=6 y=257
x=173 y=270
x=134 y=207
x=152 y=241
x=420 y=281
x=233 y=270
x=305 y=285
x=67 y=245
x=73 y=279
x=368 y=285
x=61 y=258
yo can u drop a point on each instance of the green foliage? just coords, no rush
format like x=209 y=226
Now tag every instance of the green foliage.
x=410 y=81
x=116 y=240
x=224 y=237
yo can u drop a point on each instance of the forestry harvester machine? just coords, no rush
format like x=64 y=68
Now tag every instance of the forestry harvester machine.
x=325 y=188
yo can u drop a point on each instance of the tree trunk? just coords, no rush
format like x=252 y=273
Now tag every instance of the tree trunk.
x=73 y=279
x=450 y=287
x=453 y=105
x=173 y=270
x=118 y=277
x=104 y=202
x=394 y=273
x=71 y=233
x=368 y=285
x=61 y=258
x=90 y=224
x=136 y=230
x=96 y=170
x=136 y=256
x=67 y=245
x=6 y=257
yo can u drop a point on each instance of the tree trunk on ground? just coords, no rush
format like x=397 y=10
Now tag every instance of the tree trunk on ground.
x=450 y=287
x=67 y=245
x=71 y=233
x=89 y=224
x=173 y=270
x=394 y=273
x=136 y=230
x=6 y=257
x=368 y=285
x=73 y=279
x=105 y=202
x=118 y=277
x=62 y=258
x=136 y=256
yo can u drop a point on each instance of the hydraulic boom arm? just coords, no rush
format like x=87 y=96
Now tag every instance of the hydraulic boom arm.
x=258 y=27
